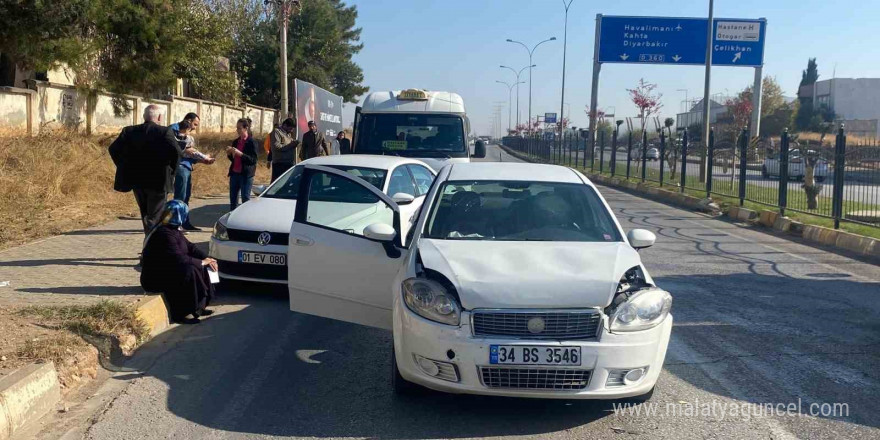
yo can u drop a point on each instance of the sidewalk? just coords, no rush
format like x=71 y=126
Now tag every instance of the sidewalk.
x=79 y=268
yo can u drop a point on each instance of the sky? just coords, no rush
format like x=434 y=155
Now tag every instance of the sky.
x=458 y=46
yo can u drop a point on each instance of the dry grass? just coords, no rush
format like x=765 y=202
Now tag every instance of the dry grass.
x=55 y=183
x=54 y=348
x=105 y=318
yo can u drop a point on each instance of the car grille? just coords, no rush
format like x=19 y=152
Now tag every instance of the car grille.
x=573 y=324
x=556 y=379
x=251 y=236
x=250 y=270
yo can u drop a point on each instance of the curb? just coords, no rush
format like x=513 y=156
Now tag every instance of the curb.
x=834 y=238
x=26 y=395
x=30 y=392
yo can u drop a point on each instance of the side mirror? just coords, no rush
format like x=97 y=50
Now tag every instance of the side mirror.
x=380 y=232
x=258 y=189
x=640 y=238
x=480 y=150
x=402 y=198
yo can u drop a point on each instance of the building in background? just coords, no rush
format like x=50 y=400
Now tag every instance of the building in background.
x=854 y=101
x=694 y=116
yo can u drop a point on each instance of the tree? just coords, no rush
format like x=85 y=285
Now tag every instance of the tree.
x=811 y=74
x=322 y=38
x=646 y=100
x=41 y=34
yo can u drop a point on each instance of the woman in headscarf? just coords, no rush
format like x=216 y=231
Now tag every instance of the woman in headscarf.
x=177 y=268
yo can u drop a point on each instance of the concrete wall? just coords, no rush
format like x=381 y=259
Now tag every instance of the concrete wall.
x=211 y=118
x=14 y=110
x=104 y=120
x=49 y=106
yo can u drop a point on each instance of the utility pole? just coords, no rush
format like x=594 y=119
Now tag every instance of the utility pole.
x=564 y=46
x=517 y=73
x=283 y=10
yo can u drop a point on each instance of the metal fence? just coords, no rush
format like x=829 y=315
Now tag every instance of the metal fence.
x=839 y=180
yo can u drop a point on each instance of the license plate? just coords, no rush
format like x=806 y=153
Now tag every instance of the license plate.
x=262 y=258
x=534 y=355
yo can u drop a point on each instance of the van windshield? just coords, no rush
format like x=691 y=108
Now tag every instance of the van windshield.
x=411 y=135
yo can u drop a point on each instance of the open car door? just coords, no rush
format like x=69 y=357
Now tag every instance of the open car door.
x=345 y=248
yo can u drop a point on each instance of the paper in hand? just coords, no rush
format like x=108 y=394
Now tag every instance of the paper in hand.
x=213 y=276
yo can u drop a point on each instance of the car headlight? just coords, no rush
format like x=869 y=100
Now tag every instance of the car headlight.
x=643 y=310
x=430 y=300
x=220 y=232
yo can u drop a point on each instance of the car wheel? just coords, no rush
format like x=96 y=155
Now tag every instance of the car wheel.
x=820 y=179
x=640 y=399
x=764 y=172
x=401 y=386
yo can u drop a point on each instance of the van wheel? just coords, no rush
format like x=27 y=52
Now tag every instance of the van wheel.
x=401 y=386
x=820 y=179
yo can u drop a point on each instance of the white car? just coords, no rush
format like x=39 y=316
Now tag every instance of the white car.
x=250 y=243
x=652 y=154
x=796 y=166
x=515 y=280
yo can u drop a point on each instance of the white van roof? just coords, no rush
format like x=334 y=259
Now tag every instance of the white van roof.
x=437 y=102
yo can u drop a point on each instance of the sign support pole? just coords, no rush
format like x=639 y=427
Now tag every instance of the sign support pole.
x=594 y=94
x=755 y=130
x=707 y=103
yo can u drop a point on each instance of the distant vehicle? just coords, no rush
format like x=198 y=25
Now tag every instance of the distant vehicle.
x=430 y=126
x=653 y=154
x=796 y=166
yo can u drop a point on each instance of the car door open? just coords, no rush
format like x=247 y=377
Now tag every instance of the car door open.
x=345 y=248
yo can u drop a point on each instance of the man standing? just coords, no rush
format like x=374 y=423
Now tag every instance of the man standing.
x=283 y=148
x=146 y=158
x=313 y=144
x=191 y=156
x=344 y=144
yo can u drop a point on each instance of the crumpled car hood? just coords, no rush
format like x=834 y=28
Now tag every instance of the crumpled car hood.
x=490 y=274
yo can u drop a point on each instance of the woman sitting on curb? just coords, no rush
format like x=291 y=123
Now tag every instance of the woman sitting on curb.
x=177 y=268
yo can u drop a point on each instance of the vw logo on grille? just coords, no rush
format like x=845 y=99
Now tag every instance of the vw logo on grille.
x=264 y=239
x=536 y=325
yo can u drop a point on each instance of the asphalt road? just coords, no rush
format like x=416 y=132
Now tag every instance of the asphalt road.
x=759 y=319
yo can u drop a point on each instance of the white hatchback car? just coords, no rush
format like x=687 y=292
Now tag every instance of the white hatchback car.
x=515 y=280
x=250 y=243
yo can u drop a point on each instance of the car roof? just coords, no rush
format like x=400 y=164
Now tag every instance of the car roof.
x=531 y=172
x=363 y=160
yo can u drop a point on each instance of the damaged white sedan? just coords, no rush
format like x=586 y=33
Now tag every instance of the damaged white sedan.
x=516 y=280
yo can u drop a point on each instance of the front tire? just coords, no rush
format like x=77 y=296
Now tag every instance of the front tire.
x=401 y=386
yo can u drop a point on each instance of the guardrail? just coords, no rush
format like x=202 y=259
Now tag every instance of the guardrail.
x=841 y=183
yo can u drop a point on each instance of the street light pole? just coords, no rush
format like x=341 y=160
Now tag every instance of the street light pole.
x=564 y=46
x=509 y=100
x=685 y=98
x=531 y=52
x=517 y=73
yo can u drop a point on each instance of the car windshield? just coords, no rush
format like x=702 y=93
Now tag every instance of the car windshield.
x=287 y=186
x=520 y=211
x=411 y=135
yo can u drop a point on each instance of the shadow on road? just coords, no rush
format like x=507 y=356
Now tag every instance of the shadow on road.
x=268 y=371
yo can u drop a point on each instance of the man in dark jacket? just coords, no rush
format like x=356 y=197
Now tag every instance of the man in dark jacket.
x=283 y=148
x=344 y=144
x=313 y=144
x=146 y=158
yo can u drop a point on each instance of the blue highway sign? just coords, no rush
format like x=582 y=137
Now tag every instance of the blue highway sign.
x=550 y=118
x=670 y=40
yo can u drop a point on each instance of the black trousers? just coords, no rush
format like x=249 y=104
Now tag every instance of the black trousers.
x=151 y=204
x=278 y=168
